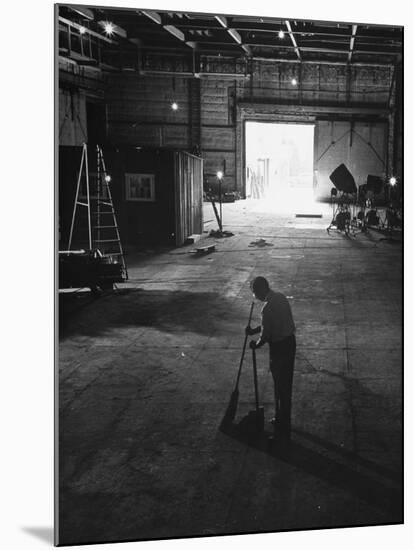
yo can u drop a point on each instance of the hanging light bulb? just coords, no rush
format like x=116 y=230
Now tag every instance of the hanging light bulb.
x=108 y=178
x=281 y=34
x=393 y=181
x=219 y=175
x=294 y=82
x=174 y=106
x=82 y=30
x=109 y=28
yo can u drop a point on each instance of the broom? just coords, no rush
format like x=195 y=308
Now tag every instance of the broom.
x=232 y=406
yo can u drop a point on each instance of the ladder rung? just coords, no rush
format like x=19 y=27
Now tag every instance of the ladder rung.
x=105 y=226
x=82 y=203
x=105 y=203
x=107 y=240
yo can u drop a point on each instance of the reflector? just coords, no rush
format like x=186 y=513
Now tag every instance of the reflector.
x=343 y=180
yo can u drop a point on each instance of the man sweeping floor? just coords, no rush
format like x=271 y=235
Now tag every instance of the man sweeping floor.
x=278 y=330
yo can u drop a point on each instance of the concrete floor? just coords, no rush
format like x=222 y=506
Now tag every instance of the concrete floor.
x=146 y=373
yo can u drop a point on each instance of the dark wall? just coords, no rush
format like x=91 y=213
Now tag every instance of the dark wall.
x=146 y=222
x=140 y=223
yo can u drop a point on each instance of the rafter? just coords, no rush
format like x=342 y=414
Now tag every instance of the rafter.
x=232 y=36
x=233 y=33
x=83 y=11
x=352 y=42
x=295 y=46
x=222 y=20
x=153 y=15
x=174 y=31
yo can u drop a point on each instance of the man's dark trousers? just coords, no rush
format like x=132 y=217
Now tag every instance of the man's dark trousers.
x=282 y=362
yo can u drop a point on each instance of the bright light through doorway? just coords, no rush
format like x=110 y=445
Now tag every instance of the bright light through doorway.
x=279 y=166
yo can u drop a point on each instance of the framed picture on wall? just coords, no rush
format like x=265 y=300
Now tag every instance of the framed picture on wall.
x=140 y=187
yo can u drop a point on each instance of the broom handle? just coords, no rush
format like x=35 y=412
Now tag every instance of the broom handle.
x=244 y=347
x=256 y=393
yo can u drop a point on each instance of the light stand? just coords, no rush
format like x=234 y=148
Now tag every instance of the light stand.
x=220 y=180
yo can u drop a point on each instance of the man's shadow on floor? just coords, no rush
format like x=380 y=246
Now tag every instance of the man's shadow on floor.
x=344 y=473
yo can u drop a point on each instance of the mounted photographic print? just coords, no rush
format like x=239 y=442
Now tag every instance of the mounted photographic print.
x=140 y=187
x=230 y=222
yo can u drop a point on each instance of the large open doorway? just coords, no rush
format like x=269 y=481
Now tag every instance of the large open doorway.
x=279 y=165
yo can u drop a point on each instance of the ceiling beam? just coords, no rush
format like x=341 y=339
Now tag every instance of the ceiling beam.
x=289 y=28
x=375 y=52
x=233 y=33
x=153 y=15
x=177 y=33
x=83 y=11
x=352 y=42
x=321 y=62
x=324 y=50
x=222 y=20
x=232 y=76
x=270 y=28
x=231 y=54
x=309 y=108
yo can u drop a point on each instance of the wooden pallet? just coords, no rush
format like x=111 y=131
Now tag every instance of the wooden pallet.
x=206 y=249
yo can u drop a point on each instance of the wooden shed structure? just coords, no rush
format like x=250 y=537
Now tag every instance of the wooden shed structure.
x=157 y=194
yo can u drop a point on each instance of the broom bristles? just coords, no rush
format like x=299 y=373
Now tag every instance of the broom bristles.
x=230 y=413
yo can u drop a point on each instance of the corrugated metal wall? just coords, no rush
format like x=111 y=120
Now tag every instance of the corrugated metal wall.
x=188 y=196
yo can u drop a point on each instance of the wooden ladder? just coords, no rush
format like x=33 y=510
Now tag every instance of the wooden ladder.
x=105 y=229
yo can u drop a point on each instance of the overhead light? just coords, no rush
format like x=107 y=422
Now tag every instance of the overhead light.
x=174 y=106
x=82 y=30
x=219 y=175
x=294 y=82
x=108 y=178
x=393 y=181
x=109 y=28
x=281 y=34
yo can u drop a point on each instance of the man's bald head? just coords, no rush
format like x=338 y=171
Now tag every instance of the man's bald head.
x=260 y=287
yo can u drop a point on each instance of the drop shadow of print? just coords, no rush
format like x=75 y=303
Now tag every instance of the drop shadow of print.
x=44 y=534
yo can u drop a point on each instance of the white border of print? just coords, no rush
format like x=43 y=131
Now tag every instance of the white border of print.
x=27 y=228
